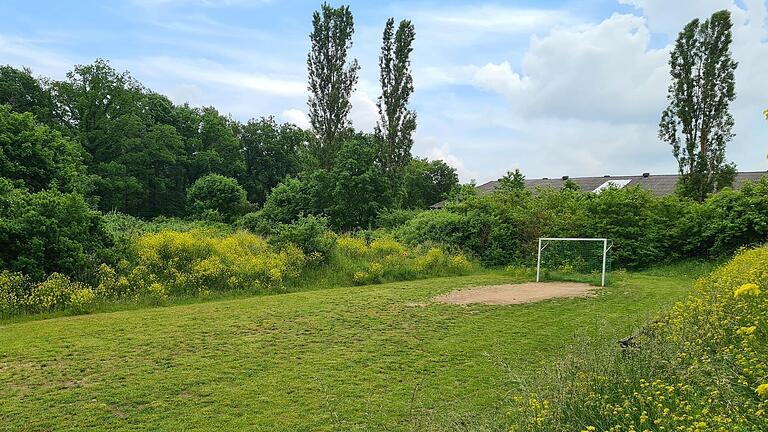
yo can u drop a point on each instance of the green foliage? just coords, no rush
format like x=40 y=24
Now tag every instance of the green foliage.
x=512 y=181
x=331 y=79
x=396 y=122
x=272 y=153
x=24 y=93
x=385 y=260
x=359 y=188
x=351 y=194
x=503 y=228
x=310 y=233
x=427 y=182
x=48 y=231
x=219 y=194
x=701 y=366
x=38 y=157
x=393 y=218
x=731 y=219
x=697 y=123
x=288 y=200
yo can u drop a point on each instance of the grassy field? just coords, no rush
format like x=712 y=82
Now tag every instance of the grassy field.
x=362 y=358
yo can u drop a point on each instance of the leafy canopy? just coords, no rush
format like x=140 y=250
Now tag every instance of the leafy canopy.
x=331 y=78
x=697 y=123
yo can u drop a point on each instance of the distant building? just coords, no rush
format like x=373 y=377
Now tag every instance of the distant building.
x=663 y=184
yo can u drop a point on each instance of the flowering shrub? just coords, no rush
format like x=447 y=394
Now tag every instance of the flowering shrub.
x=703 y=367
x=351 y=246
x=176 y=263
x=432 y=260
x=386 y=246
x=386 y=259
x=167 y=263
x=12 y=291
x=81 y=298
x=53 y=293
x=459 y=264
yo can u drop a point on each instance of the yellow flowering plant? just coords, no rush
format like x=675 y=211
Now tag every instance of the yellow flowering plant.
x=702 y=366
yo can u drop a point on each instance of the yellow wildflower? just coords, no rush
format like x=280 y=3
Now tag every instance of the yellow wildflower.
x=762 y=390
x=746 y=330
x=747 y=289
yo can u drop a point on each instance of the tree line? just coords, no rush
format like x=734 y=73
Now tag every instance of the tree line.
x=102 y=134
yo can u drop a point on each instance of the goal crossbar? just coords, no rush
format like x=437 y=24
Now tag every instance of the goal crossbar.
x=545 y=240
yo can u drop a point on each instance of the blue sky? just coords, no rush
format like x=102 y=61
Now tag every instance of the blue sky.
x=550 y=87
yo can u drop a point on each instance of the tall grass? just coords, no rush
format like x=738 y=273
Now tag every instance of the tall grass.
x=703 y=366
x=158 y=265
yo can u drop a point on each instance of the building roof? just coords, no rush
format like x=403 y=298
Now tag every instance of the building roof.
x=663 y=184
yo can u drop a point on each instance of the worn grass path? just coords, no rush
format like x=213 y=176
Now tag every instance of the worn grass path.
x=360 y=358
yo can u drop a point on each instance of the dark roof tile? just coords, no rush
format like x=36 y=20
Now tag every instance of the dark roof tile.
x=663 y=184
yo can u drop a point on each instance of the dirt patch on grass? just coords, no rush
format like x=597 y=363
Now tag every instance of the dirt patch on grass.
x=518 y=293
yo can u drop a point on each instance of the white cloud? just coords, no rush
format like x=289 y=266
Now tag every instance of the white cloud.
x=364 y=112
x=669 y=17
x=472 y=20
x=606 y=71
x=431 y=148
x=206 y=71
x=33 y=54
x=297 y=117
x=501 y=78
x=590 y=97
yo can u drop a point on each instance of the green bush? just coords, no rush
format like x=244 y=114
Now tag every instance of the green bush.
x=310 y=233
x=732 y=219
x=13 y=292
x=703 y=366
x=503 y=227
x=48 y=231
x=257 y=222
x=393 y=218
x=214 y=195
x=38 y=157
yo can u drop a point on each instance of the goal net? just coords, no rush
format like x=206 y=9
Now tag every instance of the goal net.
x=580 y=259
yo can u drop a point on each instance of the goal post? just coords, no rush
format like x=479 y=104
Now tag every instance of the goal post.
x=573 y=255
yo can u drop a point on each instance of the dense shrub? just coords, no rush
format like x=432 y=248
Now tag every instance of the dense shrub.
x=309 y=233
x=19 y=293
x=385 y=260
x=427 y=182
x=350 y=194
x=48 y=231
x=393 y=218
x=503 y=227
x=37 y=157
x=190 y=263
x=703 y=366
x=217 y=195
x=731 y=219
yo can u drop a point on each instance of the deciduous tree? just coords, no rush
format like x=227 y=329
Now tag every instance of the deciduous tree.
x=427 y=182
x=697 y=122
x=396 y=122
x=39 y=158
x=332 y=78
x=512 y=181
x=24 y=93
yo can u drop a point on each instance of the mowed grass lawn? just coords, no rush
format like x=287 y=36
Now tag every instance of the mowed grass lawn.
x=355 y=358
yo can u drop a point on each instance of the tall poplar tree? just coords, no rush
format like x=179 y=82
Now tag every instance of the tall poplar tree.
x=697 y=122
x=396 y=122
x=332 y=78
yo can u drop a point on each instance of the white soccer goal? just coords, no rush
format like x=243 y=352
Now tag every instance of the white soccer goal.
x=574 y=255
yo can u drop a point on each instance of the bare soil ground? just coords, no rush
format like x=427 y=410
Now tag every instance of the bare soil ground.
x=518 y=293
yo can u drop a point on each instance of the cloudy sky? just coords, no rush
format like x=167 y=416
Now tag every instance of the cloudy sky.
x=550 y=87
